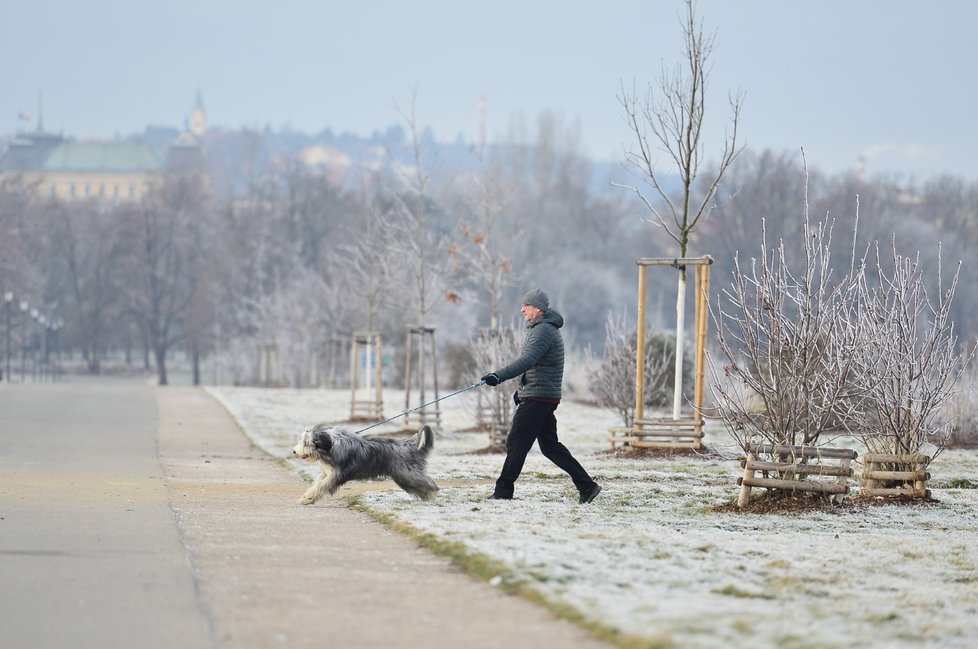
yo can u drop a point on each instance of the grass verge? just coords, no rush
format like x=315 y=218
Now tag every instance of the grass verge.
x=484 y=567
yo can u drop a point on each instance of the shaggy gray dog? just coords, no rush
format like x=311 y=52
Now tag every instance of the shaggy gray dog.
x=345 y=456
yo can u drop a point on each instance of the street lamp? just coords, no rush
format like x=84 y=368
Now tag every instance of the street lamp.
x=35 y=341
x=56 y=348
x=42 y=345
x=24 y=305
x=8 y=300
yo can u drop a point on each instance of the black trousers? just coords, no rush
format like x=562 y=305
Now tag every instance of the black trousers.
x=534 y=421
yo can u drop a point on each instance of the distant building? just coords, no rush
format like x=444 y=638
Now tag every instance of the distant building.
x=328 y=162
x=116 y=171
x=68 y=170
x=197 y=124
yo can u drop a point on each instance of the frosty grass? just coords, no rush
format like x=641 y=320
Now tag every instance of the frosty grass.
x=650 y=557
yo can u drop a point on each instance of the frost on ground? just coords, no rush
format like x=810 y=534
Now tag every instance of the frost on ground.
x=653 y=557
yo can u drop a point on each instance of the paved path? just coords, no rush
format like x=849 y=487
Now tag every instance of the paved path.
x=118 y=530
x=89 y=553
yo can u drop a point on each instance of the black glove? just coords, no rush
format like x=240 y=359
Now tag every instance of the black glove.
x=491 y=379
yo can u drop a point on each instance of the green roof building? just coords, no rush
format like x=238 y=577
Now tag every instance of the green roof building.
x=105 y=170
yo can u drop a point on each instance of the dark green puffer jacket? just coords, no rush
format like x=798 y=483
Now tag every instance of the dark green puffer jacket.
x=540 y=367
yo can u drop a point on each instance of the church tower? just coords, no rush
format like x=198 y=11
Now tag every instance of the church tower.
x=197 y=124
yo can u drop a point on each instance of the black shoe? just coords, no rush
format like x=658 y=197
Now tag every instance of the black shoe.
x=590 y=494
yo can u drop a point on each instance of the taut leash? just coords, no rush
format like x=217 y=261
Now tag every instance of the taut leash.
x=423 y=405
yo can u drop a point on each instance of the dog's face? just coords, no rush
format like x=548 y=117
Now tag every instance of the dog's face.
x=314 y=444
x=304 y=450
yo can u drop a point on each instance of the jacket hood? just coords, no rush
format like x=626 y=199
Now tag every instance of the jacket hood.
x=551 y=316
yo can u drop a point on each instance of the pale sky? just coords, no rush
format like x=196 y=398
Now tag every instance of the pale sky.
x=889 y=81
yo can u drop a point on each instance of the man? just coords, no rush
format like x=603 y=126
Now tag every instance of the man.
x=540 y=369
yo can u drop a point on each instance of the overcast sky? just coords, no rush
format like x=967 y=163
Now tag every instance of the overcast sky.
x=891 y=82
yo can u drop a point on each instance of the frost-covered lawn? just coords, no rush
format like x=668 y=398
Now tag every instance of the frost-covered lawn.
x=651 y=557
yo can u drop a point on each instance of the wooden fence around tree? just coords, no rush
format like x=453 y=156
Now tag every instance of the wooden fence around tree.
x=895 y=475
x=667 y=432
x=367 y=395
x=807 y=469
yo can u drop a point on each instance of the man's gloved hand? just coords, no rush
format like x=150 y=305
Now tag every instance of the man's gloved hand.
x=491 y=379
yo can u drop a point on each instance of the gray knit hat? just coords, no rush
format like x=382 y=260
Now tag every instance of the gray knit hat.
x=537 y=298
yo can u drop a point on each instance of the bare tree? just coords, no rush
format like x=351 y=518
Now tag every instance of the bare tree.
x=165 y=247
x=951 y=206
x=423 y=247
x=669 y=120
x=313 y=211
x=483 y=254
x=368 y=261
x=422 y=250
x=91 y=252
x=764 y=185
x=18 y=271
x=23 y=244
x=962 y=411
x=292 y=321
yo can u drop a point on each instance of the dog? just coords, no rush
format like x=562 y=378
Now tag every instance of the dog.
x=345 y=456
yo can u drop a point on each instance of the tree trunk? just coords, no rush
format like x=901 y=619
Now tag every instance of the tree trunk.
x=677 y=395
x=160 y=353
x=92 y=361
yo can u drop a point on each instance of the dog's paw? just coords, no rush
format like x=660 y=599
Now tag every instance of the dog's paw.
x=428 y=496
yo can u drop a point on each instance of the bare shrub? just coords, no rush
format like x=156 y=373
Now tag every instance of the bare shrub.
x=789 y=371
x=459 y=361
x=612 y=379
x=493 y=349
x=912 y=356
x=807 y=352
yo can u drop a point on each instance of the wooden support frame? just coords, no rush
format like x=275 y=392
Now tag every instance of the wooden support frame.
x=902 y=474
x=795 y=467
x=371 y=406
x=668 y=432
x=425 y=416
x=270 y=366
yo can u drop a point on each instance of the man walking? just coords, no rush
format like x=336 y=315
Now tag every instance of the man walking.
x=540 y=372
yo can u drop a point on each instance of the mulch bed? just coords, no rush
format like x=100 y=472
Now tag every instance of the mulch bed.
x=631 y=452
x=783 y=503
x=775 y=502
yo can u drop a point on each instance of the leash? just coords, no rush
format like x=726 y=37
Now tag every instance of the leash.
x=424 y=405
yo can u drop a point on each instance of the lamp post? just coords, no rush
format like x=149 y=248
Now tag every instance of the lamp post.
x=8 y=301
x=35 y=341
x=56 y=348
x=24 y=305
x=43 y=323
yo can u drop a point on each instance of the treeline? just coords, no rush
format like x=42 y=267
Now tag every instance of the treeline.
x=297 y=261
x=937 y=218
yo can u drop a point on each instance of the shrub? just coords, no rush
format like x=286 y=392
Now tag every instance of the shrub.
x=789 y=370
x=809 y=350
x=612 y=379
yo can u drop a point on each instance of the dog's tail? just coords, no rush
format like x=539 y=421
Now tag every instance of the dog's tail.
x=424 y=439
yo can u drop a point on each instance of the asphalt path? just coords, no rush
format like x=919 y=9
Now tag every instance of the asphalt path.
x=136 y=516
x=90 y=555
